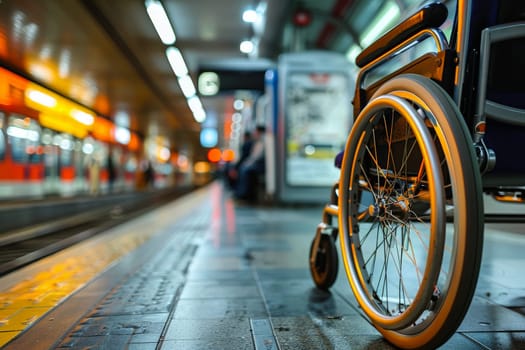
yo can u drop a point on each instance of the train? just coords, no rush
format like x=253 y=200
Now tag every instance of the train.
x=52 y=146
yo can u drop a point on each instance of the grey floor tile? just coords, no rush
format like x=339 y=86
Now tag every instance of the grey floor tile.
x=209 y=329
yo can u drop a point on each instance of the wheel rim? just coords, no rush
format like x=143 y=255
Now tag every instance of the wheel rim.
x=389 y=278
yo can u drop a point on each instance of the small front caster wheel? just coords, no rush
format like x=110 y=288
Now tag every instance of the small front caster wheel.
x=324 y=262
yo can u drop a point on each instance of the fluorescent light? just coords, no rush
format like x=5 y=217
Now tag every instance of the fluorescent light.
x=199 y=115
x=186 y=85
x=160 y=20
x=41 y=98
x=122 y=135
x=246 y=46
x=195 y=103
x=15 y=131
x=388 y=14
x=353 y=52
x=176 y=61
x=249 y=16
x=196 y=107
x=82 y=117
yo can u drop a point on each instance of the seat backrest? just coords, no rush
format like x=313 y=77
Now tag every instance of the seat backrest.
x=501 y=90
x=501 y=87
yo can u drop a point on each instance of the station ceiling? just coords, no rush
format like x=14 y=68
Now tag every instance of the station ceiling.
x=107 y=55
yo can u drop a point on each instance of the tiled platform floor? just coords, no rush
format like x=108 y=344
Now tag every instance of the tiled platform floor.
x=225 y=275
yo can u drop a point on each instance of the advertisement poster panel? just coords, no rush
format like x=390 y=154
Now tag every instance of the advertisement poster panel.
x=318 y=119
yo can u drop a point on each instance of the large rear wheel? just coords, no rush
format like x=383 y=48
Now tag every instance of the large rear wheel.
x=413 y=263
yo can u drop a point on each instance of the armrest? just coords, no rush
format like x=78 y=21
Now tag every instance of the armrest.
x=430 y=16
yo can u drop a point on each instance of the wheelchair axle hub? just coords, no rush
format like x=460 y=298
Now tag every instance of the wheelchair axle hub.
x=383 y=210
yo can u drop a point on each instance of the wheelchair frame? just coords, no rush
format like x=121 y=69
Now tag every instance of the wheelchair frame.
x=461 y=70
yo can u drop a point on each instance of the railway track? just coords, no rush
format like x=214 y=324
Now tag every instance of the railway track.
x=26 y=245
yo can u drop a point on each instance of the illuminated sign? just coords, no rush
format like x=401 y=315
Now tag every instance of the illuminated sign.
x=227 y=80
x=208 y=83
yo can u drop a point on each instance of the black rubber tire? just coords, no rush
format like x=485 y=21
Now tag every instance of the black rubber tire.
x=324 y=270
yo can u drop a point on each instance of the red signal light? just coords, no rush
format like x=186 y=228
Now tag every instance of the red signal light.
x=302 y=18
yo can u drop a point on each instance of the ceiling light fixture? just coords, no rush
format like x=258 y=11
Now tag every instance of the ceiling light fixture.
x=246 y=46
x=41 y=98
x=166 y=33
x=186 y=85
x=199 y=115
x=196 y=107
x=385 y=19
x=249 y=16
x=83 y=117
x=176 y=61
x=195 y=103
x=353 y=52
x=161 y=22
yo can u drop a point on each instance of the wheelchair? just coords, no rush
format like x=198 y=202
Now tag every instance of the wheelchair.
x=408 y=206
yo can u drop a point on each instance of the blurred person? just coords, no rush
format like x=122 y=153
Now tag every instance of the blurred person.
x=251 y=168
x=232 y=171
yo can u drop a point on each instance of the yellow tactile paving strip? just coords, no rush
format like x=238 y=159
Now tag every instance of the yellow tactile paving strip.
x=41 y=289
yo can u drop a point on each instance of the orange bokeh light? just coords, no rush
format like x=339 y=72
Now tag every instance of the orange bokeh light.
x=214 y=155
x=228 y=155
